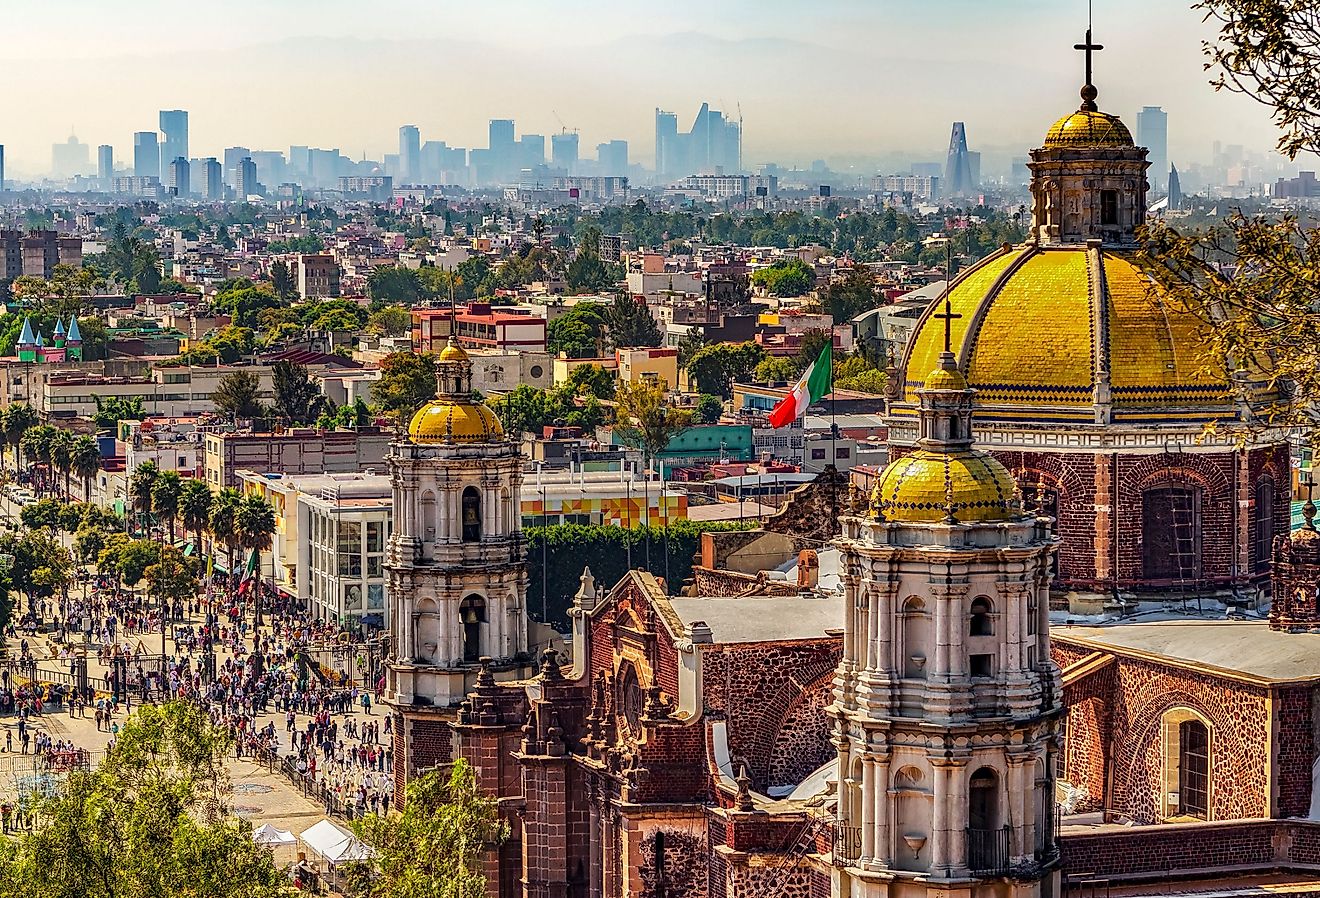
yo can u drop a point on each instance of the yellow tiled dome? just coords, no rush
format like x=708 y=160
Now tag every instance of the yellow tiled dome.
x=1041 y=325
x=449 y=421
x=453 y=353
x=1088 y=129
x=945 y=379
x=926 y=486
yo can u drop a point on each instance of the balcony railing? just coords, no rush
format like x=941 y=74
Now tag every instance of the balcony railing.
x=987 y=851
x=847 y=845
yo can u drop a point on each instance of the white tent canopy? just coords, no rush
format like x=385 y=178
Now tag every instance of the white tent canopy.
x=334 y=844
x=267 y=834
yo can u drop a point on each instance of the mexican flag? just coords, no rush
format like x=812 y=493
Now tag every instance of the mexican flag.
x=810 y=387
x=249 y=574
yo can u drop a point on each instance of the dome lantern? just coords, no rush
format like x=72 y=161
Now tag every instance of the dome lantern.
x=453 y=416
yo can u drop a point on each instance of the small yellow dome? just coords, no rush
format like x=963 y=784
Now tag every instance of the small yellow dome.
x=1089 y=129
x=453 y=353
x=446 y=421
x=946 y=379
x=925 y=486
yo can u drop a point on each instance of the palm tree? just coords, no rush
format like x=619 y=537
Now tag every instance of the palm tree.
x=195 y=511
x=223 y=522
x=165 y=498
x=18 y=420
x=255 y=523
x=36 y=444
x=140 y=488
x=85 y=461
x=60 y=455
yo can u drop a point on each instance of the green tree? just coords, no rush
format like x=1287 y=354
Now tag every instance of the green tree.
x=35 y=444
x=85 y=462
x=18 y=419
x=854 y=294
x=59 y=453
x=195 y=511
x=391 y=321
x=146 y=269
x=708 y=409
x=395 y=284
x=717 y=366
x=775 y=369
x=236 y=396
x=297 y=397
x=629 y=322
x=407 y=382
x=140 y=487
x=591 y=380
x=645 y=420
x=281 y=279
x=172 y=576
x=223 y=522
x=110 y=410
x=165 y=492
x=254 y=523
x=787 y=277
x=436 y=847
x=42 y=567
x=813 y=341
x=149 y=819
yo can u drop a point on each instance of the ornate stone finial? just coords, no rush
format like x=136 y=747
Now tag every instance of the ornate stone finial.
x=550 y=671
x=485 y=679
x=949 y=507
x=743 y=800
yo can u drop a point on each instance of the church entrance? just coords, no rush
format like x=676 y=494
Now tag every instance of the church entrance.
x=1171 y=533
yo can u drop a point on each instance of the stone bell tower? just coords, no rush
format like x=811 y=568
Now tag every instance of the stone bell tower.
x=947 y=703
x=456 y=563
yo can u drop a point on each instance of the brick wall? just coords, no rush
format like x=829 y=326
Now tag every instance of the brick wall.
x=1295 y=749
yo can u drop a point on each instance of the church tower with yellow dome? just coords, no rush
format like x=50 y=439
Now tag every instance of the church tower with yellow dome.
x=947 y=703
x=456 y=563
x=1101 y=397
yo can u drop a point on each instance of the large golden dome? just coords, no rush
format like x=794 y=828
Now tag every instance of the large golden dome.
x=450 y=421
x=1048 y=331
x=1088 y=129
x=928 y=486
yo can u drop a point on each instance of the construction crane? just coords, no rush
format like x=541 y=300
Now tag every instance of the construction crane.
x=563 y=129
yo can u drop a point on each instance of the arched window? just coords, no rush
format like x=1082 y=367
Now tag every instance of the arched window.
x=983 y=800
x=428 y=516
x=981 y=623
x=1264 y=522
x=471 y=515
x=1187 y=748
x=472 y=614
x=630 y=697
x=1171 y=533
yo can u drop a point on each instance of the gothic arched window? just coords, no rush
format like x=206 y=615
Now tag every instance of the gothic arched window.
x=1264 y=523
x=472 y=615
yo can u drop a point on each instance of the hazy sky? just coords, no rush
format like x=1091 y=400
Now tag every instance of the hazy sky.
x=833 y=79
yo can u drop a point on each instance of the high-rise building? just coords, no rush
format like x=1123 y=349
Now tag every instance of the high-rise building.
x=564 y=151
x=666 y=144
x=105 y=164
x=234 y=156
x=180 y=177
x=300 y=162
x=215 y=179
x=70 y=158
x=1175 y=188
x=531 y=150
x=410 y=154
x=247 y=178
x=958 y=168
x=713 y=146
x=2 y=168
x=174 y=128
x=1153 y=134
x=501 y=161
x=612 y=157
x=146 y=155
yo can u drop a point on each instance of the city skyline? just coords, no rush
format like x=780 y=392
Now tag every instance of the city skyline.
x=802 y=99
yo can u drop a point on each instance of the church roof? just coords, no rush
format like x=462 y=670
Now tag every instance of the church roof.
x=1085 y=128
x=926 y=486
x=447 y=420
x=26 y=338
x=763 y=619
x=1247 y=650
x=75 y=335
x=59 y=328
x=1042 y=326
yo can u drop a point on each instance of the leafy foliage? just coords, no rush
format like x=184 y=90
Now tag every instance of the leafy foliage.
x=716 y=366
x=630 y=323
x=577 y=332
x=787 y=277
x=236 y=395
x=298 y=399
x=407 y=382
x=645 y=420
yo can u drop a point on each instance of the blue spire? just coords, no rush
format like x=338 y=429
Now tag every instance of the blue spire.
x=75 y=336
x=26 y=338
x=59 y=328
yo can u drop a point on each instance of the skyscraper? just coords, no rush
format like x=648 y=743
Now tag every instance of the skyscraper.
x=2 y=168
x=180 y=177
x=531 y=150
x=70 y=158
x=666 y=144
x=410 y=154
x=146 y=155
x=215 y=180
x=958 y=167
x=1175 y=188
x=233 y=157
x=564 y=151
x=502 y=161
x=1153 y=134
x=612 y=157
x=247 y=178
x=105 y=164
x=174 y=127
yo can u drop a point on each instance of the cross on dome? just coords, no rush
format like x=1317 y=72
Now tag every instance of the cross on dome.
x=1089 y=93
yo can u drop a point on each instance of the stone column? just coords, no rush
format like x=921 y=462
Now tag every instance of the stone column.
x=940 y=669
x=868 y=807
x=883 y=852
x=1021 y=793
x=874 y=661
x=939 y=832
x=955 y=786
x=1104 y=518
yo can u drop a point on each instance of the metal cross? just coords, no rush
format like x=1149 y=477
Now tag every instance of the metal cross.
x=947 y=315
x=1088 y=47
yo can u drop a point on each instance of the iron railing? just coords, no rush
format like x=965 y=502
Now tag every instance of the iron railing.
x=987 y=851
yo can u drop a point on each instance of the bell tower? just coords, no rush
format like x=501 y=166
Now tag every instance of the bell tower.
x=456 y=563
x=946 y=701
